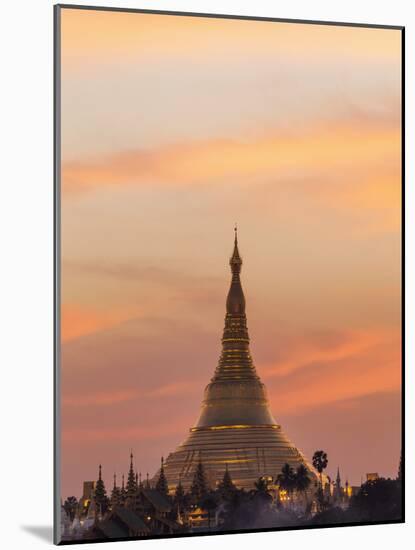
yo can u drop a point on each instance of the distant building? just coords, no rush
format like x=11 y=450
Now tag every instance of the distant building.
x=87 y=497
x=372 y=476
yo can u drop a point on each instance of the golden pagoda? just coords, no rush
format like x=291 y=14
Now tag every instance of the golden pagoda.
x=235 y=429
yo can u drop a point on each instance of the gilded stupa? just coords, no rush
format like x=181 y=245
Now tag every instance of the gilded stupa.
x=235 y=429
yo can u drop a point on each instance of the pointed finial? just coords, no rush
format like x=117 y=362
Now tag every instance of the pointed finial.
x=235 y=260
x=115 y=480
x=162 y=462
x=99 y=475
x=139 y=478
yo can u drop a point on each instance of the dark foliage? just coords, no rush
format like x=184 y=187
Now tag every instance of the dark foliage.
x=101 y=499
x=320 y=461
x=162 y=485
x=378 y=500
x=330 y=516
x=199 y=486
x=70 y=505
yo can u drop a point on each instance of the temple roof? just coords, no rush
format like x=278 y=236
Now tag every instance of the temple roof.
x=158 y=500
x=131 y=519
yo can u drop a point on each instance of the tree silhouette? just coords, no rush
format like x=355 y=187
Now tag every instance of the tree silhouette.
x=123 y=492
x=115 y=495
x=162 y=485
x=261 y=485
x=199 y=488
x=302 y=480
x=179 y=495
x=131 y=480
x=377 y=500
x=286 y=479
x=226 y=486
x=70 y=506
x=320 y=462
x=400 y=470
x=208 y=502
x=261 y=494
x=100 y=496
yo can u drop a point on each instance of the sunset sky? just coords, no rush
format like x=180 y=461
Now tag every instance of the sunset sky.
x=173 y=129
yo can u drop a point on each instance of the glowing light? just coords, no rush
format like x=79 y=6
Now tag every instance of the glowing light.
x=236 y=427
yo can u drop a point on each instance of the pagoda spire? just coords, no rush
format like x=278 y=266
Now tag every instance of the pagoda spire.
x=115 y=494
x=235 y=395
x=123 y=492
x=100 y=496
x=162 y=485
x=227 y=487
x=235 y=361
x=131 y=482
x=235 y=425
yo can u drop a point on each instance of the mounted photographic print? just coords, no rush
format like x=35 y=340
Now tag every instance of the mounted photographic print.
x=228 y=274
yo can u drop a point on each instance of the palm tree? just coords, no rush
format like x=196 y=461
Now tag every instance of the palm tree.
x=302 y=481
x=261 y=486
x=286 y=479
x=320 y=462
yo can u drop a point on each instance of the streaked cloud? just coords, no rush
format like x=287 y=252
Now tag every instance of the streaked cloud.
x=213 y=161
x=172 y=130
x=77 y=320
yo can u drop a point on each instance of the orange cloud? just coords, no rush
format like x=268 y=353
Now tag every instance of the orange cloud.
x=100 y=398
x=312 y=350
x=213 y=161
x=104 y=35
x=122 y=433
x=79 y=320
x=367 y=362
x=349 y=379
x=177 y=388
x=105 y=398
